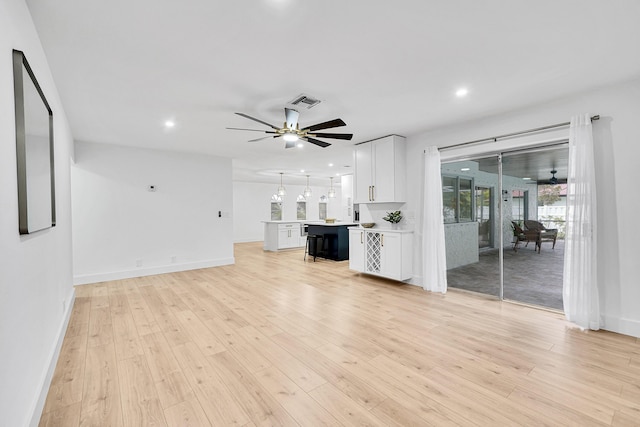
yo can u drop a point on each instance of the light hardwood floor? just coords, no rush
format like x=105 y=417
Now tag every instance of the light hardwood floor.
x=274 y=340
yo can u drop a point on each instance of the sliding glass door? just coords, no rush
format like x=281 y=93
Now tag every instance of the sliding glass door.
x=504 y=224
x=534 y=209
x=471 y=213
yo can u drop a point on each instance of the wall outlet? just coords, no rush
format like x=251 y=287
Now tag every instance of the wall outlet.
x=138 y=263
x=174 y=259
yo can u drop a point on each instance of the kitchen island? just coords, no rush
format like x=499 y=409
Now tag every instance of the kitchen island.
x=335 y=236
x=279 y=235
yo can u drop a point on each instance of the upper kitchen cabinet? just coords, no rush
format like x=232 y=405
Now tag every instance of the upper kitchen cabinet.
x=380 y=171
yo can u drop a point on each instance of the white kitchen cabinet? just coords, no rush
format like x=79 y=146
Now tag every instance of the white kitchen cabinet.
x=386 y=253
x=282 y=235
x=356 y=249
x=380 y=171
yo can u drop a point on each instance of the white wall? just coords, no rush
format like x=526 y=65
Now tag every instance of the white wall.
x=120 y=229
x=616 y=137
x=36 y=289
x=252 y=205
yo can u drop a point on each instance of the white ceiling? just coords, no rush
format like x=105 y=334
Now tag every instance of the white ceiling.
x=124 y=67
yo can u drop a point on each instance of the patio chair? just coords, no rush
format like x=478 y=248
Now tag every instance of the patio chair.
x=521 y=235
x=542 y=233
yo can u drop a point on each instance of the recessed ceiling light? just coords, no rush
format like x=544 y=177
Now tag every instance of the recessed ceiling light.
x=300 y=145
x=301 y=170
x=169 y=124
x=337 y=174
x=465 y=169
x=462 y=92
x=330 y=165
x=527 y=179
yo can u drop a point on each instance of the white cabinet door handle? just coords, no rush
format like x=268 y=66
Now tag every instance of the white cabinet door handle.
x=382 y=240
x=361 y=236
x=373 y=193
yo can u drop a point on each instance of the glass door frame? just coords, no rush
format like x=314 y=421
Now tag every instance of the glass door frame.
x=499 y=156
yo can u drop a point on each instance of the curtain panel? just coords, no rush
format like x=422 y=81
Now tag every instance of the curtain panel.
x=434 y=263
x=580 y=287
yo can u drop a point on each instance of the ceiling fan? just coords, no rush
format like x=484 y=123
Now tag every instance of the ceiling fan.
x=291 y=131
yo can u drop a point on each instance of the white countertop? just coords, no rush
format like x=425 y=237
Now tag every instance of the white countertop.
x=284 y=222
x=335 y=224
x=385 y=229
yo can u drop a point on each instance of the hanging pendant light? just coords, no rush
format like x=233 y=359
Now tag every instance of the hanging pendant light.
x=281 y=190
x=307 y=190
x=553 y=180
x=332 y=191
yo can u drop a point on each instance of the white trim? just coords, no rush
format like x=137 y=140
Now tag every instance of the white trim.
x=84 y=279
x=38 y=406
x=249 y=240
x=621 y=325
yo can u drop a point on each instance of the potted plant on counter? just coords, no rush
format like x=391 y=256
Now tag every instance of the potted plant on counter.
x=394 y=218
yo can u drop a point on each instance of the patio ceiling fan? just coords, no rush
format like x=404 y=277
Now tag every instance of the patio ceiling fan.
x=291 y=132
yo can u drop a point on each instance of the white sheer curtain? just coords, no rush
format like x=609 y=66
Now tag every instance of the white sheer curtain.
x=434 y=263
x=580 y=286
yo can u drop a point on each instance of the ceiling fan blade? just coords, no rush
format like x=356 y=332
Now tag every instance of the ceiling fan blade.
x=326 y=125
x=291 y=117
x=257 y=120
x=347 y=136
x=253 y=130
x=317 y=142
x=264 y=137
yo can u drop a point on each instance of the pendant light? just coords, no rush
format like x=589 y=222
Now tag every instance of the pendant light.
x=281 y=190
x=553 y=180
x=307 y=191
x=332 y=191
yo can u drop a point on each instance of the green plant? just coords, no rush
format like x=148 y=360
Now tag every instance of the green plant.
x=393 y=217
x=549 y=194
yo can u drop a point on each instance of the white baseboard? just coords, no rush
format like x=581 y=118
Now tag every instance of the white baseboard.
x=622 y=326
x=249 y=240
x=84 y=279
x=53 y=361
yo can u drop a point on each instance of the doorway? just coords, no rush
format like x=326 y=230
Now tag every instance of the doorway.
x=517 y=190
x=484 y=216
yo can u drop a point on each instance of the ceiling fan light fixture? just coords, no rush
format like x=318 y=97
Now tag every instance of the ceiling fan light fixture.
x=291 y=132
x=553 y=180
x=290 y=137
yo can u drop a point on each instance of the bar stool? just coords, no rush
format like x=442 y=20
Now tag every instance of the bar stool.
x=314 y=246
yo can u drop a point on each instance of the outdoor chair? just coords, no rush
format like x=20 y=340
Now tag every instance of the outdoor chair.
x=541 y=233
x=520 y=235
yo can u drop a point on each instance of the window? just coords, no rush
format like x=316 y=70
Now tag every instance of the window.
x=301 y=208
x=519 y=205
x=465 y=197
x=457 y=199
x=276 y=208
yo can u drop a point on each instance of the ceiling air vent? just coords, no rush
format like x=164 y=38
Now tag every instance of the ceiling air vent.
x=305 y=101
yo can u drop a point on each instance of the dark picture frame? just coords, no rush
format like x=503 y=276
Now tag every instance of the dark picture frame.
x=34 y=150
